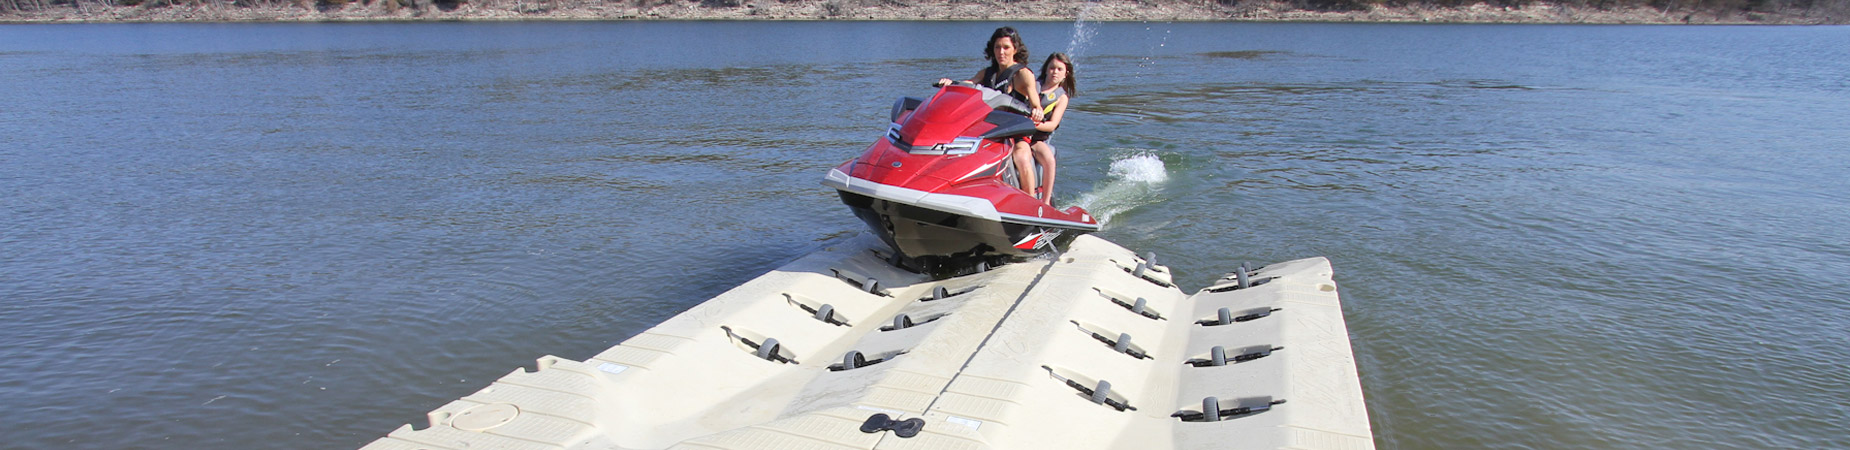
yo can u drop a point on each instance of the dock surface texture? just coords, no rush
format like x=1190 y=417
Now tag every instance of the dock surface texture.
x=1092 y=349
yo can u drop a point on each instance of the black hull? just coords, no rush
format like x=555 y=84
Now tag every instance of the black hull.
x=928 y=238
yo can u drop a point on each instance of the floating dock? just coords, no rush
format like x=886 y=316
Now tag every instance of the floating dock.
x=1094 y=349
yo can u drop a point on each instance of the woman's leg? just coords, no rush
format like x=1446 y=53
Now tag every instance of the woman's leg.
x=1024 y=165
x=1043 y=152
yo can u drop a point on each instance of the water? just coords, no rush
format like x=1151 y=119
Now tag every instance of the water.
x=1133 y=180
x=305 y=235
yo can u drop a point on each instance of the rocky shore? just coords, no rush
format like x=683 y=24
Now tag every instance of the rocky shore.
x=1015 y=10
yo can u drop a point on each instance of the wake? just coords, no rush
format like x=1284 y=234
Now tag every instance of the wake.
x=1134 y=180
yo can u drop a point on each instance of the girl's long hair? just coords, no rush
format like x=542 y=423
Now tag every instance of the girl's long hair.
x=1071 y=81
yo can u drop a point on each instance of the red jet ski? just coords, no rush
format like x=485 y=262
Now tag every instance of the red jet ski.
x=941 y=190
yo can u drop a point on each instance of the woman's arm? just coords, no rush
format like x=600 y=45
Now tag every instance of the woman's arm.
x=1025 y=84
x=1053 y=121
x=944 y=81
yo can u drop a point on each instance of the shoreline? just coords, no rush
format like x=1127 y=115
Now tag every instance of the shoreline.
x=891 y=10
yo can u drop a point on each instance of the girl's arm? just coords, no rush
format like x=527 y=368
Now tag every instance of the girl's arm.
x=1026 y=84
x=1053 y=121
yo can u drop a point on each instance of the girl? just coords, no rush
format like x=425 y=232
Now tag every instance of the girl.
x=1057 y=86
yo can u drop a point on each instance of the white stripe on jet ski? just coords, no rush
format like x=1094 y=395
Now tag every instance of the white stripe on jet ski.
x=955 y=204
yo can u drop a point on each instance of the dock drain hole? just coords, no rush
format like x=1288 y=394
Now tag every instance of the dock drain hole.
x=1245 y=266
x=903 y=321
x=1145 y=268
x=1219 y=288
x=1213 y=411
x=941 y=293
x=1100 y=394
x=1219 y=356
x=1147 y=262
x=765 y=348
x=1097 y=392
x=1226 y=316
x=820 y=311
x=1119 y=342
x=864 y=283
x=1140 y=306
x=855 y=360
x=1148 y=273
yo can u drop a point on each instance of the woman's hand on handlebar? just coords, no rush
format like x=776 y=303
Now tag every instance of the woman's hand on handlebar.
x=942 y=82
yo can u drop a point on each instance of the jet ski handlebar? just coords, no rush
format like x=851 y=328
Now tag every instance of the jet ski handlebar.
x=996 y=99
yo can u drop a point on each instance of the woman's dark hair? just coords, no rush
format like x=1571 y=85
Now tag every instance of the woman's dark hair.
x=1021 y=49
x=1070 y=84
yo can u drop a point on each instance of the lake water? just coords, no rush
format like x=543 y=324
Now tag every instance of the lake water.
x=305 y=235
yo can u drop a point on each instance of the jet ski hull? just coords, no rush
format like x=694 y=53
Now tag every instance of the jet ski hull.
x=923 y=232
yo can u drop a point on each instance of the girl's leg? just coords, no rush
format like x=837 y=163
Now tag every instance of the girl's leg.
x=1024 y=165
x=1043 y=152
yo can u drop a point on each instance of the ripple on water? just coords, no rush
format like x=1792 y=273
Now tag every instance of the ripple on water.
x=313 y=239
x=1244 y=54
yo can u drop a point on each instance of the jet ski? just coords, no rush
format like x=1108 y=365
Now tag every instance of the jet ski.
x=941 y=190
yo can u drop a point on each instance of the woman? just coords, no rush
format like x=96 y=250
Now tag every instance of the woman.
x=1057 y=86
x=1007 y=73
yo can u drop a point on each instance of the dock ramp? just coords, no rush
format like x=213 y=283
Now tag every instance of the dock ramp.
x=1093 y=349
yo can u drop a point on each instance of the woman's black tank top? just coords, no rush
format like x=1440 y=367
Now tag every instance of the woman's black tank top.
x=1003 y=81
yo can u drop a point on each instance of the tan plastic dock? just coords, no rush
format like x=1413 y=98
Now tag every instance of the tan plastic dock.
x=1094 y=350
